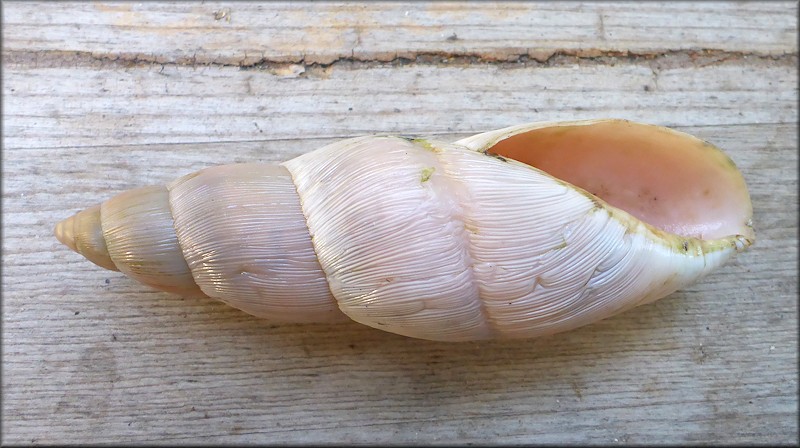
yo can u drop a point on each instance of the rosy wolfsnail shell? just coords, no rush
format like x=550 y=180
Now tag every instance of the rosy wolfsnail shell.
x=515 y=233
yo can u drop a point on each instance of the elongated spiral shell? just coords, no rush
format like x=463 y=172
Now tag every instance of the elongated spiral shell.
x=515 y=233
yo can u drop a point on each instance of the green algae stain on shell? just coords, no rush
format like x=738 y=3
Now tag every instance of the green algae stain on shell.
x=426 y=173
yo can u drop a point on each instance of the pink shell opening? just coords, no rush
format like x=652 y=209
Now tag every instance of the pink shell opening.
x=670 y=180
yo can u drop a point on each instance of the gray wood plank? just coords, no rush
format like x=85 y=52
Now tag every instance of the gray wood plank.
x=249 y=32
x=91 y=355
x=49 y=107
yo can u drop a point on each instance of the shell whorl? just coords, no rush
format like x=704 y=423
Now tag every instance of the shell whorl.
x=441 y=242
x=424 y=239
x=246 y=242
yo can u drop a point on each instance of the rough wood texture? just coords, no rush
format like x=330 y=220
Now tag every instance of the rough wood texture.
x=104 y=97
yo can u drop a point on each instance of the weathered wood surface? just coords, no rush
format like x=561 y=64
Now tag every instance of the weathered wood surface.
x=99 y=98
x=249 y=33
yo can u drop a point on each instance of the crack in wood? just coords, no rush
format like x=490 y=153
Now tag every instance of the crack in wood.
x=664 y=59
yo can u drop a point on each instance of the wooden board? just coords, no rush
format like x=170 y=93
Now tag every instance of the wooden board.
x=102 y=97
x=252 y=33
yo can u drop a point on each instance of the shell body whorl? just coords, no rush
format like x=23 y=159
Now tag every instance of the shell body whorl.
x=431 y=240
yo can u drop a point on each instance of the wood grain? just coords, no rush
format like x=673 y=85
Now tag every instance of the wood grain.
x=144 y=105
x=103 y=97
x=246 y=33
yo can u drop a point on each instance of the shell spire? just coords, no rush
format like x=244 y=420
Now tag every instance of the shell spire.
x=83 y=234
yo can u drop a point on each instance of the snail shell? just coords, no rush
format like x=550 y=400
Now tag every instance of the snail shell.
x=515 y=233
